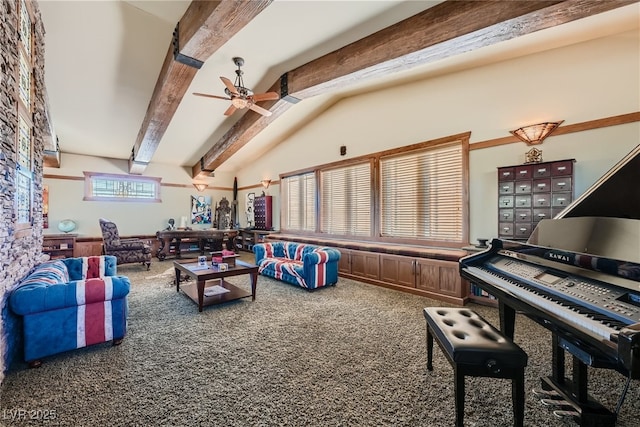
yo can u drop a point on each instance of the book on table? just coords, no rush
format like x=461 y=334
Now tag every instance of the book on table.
x=215 y=290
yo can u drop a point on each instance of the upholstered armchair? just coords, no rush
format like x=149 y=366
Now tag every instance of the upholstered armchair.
x=126 y=251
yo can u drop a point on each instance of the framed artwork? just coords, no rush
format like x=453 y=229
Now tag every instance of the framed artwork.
x=200 y=209
x=249 y=209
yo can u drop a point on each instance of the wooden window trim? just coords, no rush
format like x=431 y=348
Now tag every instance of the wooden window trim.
x=375 y=158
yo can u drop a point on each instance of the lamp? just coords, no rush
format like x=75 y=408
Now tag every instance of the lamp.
x=535 y=134
x=200 y=186
x=265 y=183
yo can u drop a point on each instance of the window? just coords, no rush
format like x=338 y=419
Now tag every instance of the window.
x=299 y=202
x=417 y=194
x=24 y=173
x=422 y=194
x=121 y=188
x=346 y=200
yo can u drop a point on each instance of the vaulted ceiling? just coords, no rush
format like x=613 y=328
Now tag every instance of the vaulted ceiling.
x=120 y=75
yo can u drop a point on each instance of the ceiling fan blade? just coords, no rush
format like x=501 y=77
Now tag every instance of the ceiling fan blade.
x=269 y=96
x=230 y=110
x=211 y=96
x=259 y=109
x=230 y=86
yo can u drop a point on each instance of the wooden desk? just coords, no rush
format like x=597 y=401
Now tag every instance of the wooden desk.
x=206 y=239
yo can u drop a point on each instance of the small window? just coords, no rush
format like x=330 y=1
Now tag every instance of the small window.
x=121 y=188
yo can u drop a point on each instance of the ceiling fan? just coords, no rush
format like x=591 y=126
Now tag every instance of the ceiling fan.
x=240 y=96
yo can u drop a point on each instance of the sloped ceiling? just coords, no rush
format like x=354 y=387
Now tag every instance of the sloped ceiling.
x=103 y=60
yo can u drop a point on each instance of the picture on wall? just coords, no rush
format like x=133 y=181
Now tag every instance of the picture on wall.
x=249 y=209
x=200 y=209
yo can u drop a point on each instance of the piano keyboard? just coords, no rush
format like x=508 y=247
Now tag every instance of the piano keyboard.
x=597 y=325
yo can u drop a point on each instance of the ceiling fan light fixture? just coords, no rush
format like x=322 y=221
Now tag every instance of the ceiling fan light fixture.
x=239 y=103
x=535 y=134
x=240 y=96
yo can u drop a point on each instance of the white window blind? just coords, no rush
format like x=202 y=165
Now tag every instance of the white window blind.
x=346 y=200
x=299 y=202
x=421 y=194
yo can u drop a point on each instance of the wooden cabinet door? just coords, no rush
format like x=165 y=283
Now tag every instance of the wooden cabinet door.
x=344 y=264
x=85 y=249
x=441 y=277
x=398 y=270
x=365 y=264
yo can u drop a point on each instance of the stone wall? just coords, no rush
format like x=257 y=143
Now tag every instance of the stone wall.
x=20 y=250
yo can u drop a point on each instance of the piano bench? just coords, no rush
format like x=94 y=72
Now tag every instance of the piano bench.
x=475 y=348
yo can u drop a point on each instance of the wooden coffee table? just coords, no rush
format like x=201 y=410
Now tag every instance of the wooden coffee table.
x=208 y=276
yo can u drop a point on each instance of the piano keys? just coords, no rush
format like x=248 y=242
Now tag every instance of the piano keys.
x=578 y=275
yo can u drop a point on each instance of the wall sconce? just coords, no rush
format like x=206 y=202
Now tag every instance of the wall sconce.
x=200 y=187
x=535 y=134
x=265 y=183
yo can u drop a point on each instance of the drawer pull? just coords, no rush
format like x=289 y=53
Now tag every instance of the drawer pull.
x=542 y=185
x=542 y=170
x=561 y=184
x=506 y=215
x=506 y=228
x=561 y=168
x=541 y=201
x=505 y=188
x=523 y=230
x=523 y=172
x=506 y=173
x=541 y=215
x=523 y=216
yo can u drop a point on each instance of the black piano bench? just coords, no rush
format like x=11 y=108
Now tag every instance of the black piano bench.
x=475 y=348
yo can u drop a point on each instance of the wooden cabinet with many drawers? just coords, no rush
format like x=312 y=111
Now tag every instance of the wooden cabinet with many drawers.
x=530 y=193
x=262 y=212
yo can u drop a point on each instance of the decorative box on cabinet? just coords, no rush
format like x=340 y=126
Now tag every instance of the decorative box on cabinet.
x=262 y=206
x=530 y=193
x=59 y=245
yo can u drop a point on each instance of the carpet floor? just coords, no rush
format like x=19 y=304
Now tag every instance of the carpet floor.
x=348 y=355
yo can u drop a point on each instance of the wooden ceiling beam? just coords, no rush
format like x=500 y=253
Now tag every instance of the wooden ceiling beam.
x=447 y=29
x=203 y=29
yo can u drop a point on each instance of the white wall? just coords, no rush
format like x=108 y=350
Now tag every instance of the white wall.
x=578 y=83
x=66 y=197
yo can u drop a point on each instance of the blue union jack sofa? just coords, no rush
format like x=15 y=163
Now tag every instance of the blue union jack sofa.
x=70 y=303
x=305 y=265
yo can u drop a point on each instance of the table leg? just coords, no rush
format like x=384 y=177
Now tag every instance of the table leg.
x=177 y=280
x=200 y=294
x=254 y=282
